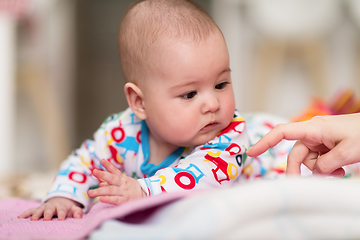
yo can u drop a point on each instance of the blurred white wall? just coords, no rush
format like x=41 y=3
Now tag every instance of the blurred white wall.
x=45 y=85
x=7 y=93
x=287 y=83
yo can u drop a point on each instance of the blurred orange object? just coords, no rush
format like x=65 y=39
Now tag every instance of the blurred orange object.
x=344 y=102
x=317 y=107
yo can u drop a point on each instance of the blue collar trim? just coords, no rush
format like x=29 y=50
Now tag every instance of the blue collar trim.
x=149 y=168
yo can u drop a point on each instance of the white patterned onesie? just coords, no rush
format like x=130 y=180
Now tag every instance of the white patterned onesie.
x=123 y=140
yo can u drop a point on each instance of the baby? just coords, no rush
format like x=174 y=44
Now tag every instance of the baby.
x=181 y=131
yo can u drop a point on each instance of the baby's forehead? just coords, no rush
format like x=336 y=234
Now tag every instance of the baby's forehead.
x=169 y=43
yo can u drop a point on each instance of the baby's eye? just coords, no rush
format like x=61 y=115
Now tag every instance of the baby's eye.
x=221 y=85
x=189 y=95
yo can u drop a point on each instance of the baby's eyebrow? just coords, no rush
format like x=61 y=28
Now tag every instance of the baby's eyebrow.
x=226 y=70
x=193 y=82
x=183 y=84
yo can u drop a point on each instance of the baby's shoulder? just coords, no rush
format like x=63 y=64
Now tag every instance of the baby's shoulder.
x=122 y=119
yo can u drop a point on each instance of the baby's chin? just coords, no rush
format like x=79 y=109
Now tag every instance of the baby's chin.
x=201 y=140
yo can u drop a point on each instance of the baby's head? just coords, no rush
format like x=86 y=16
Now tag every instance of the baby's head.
x=147 y=28
x=176 y=66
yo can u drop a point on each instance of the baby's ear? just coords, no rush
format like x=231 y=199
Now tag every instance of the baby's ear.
x=135 y=99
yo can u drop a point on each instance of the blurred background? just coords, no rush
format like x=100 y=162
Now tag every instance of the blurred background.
x=60 y=75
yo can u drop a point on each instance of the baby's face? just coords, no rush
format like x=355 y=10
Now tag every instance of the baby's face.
x=189 y=98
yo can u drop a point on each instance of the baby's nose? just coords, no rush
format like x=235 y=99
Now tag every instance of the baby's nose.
x=211 y=104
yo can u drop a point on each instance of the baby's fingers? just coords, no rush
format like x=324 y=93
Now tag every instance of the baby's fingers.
x=105 y=191
x=49 y=213
x=62 y=212
x=27 y=213
x=37 y=214
x=103 y=184
x=115 y=200
x=76 y=212
x=111 y=179
x=110 y=167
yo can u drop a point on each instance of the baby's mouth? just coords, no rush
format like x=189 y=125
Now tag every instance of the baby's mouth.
x=210 y=126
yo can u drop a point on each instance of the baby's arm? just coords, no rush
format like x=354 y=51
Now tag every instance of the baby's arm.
x=115 y=188
x=57 y=206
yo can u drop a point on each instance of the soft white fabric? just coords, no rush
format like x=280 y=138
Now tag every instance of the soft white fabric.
x=292 y=208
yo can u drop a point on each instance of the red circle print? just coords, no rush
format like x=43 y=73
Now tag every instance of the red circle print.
x=187 y=175
x=138 y=137
x=75 y=175
x=118 y=134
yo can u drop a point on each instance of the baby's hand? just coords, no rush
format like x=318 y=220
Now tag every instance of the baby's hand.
x=116 y=188
x=57 y=206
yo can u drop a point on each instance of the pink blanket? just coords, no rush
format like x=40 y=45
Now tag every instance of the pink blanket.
x=13 y=228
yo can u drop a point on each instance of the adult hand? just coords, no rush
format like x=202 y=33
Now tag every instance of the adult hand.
x=57 y=206
x=115 y=188
x=325 y=143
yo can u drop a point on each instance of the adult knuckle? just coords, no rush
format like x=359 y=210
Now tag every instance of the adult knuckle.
x=343 y=155
x=321 y=120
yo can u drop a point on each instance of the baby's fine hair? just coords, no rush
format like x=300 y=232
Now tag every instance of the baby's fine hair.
x=147 y=24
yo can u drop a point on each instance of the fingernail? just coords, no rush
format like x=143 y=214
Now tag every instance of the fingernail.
x=316 y=172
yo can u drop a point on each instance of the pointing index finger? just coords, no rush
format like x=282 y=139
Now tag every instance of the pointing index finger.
x=288 y=131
